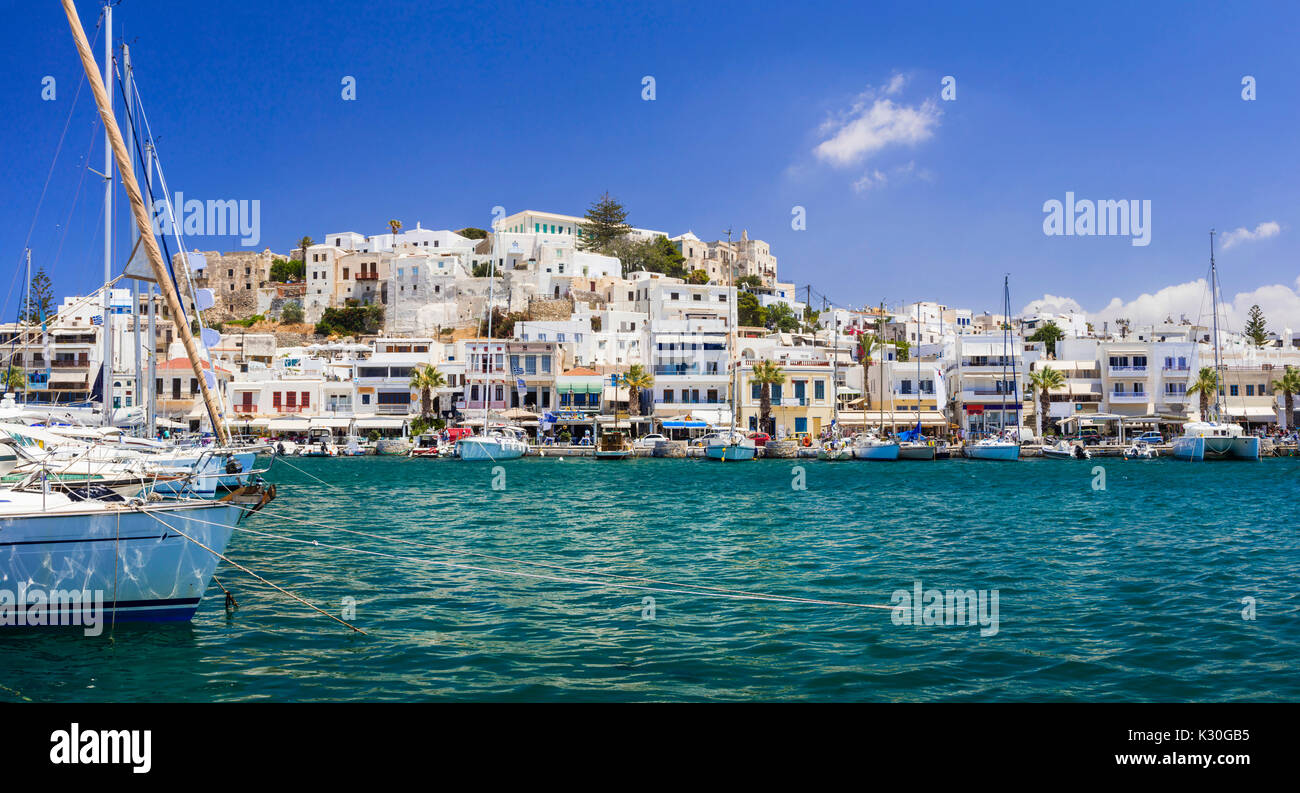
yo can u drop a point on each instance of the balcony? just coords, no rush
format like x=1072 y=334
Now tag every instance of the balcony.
x=367 y=276
x=288 y=408
x=67 y=364
x=1176 y=368
x=1127 y=371
x=1129 y=398
x=1172 y=396
x=245 y=408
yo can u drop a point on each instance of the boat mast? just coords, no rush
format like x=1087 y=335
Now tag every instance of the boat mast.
x=1214 y=307
x=880 y=339
x=149 y=392
x=487 y=348
x=918 y=363
x=135 y=233
x=27 y=321
x=835 y=375
x=733 y=316
x=141 y=213
x=106 y=368
x=1006 y=328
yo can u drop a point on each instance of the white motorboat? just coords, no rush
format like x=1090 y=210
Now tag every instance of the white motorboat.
x=1064 y=450
x=916 y=450
x=835 y=449
x=1140 y=450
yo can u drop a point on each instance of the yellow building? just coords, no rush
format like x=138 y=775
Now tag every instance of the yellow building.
x=803 y=404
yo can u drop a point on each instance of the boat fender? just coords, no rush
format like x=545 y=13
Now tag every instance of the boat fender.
x=806 y=441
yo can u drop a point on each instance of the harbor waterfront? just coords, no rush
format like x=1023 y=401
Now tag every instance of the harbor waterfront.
x=473 y=582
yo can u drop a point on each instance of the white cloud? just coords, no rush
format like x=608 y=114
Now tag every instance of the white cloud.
x=1264 y=230
x=869 y=180
x=1279 y=302
x=874 y=123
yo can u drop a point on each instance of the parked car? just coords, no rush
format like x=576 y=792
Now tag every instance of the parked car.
x=760 y=438
x=705 y=440
x=648 y=441
x=1149 y=437
x=1089 y=436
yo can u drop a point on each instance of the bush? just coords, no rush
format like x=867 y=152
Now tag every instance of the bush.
x=350 y=321
x=291 y=313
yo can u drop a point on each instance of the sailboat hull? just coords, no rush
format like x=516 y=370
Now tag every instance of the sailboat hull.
x=140 y=569
x=919 y=452
x=480 y=449
x=998 y=451
x=884 y=451
x=1197 y=449
x=731 y=452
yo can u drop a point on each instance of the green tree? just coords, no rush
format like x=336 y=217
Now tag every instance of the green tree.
x=749 y=282
x=605 y=222
x=15 y=379
x=697 y=277
x=41 y=300
x=781 y=317
x=1256 y=328
x=766 y=374
x=902 y=350
x=291 y=313
x=287 y=271
x=1289 y=385
x=749 y=312
x=472 y=233
x=637 y=379
x=304 y=244
x=1049 y=333
x=868 y=343
x=503 y=324
x=394 y=226
x=427 y=379
x=1044 y=380
x=1207 y=386
x=657 y=256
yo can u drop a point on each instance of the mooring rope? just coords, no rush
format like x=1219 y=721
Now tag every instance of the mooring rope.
x=574 y=570
x=280 y=457
x=690 y=589
x=236 y=565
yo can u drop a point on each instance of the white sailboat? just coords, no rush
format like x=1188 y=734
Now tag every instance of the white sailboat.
x=105 y=557
x=502 y=443
x=732 y=445
x=912 y=443
x=836 y=446
x=1215 y=439
x=869 y=445
x=1006 y=444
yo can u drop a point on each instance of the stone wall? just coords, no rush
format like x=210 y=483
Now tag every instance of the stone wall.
x=234 y=279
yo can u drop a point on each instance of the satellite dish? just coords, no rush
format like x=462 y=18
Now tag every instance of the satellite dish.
x=204 y=299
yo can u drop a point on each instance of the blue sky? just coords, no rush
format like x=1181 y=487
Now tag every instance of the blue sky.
x=759 y=108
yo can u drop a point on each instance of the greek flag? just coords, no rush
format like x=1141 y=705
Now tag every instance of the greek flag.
x=98 y=319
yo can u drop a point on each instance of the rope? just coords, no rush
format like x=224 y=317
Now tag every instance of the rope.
x=280 y=457
x=223 y=558
x=679 y=587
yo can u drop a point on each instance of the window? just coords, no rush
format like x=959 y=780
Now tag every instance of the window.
x=819 y=389
x=546 y=364
x=306 y=399
x=668 y=395
x=1232 y=389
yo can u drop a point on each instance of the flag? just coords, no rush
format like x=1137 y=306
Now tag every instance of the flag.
x=98 y=319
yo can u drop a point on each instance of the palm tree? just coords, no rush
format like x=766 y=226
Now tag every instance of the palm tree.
x=766 y=374
x=16 y=380
x=636 y=379
x=427 y=378
x=1207 y=385
x=1044 y=380
x=1289 y=385
x=305 y=243
x=395 y=226
x=867 y=343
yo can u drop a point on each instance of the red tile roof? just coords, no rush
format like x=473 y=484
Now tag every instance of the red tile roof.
x=184 y=363
x=581 y=371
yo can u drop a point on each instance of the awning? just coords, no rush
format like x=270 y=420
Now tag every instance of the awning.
x=288 y=425
x=249 y=422
x=332 y=422
x=377 y=423
x=68 y=377
x=589 y=385
x=677 y=425
x=900 y=419
x=1252 y=412
x=612 y=394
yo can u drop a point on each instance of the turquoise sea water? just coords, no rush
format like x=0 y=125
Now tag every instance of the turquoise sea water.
x=1128 y=593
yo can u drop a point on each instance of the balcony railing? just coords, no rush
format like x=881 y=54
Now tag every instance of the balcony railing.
x=288 y=408
x=1177 y=368
x=1129 y=397
x=367 y=276
x=1127 y=369
x=65 y=364
x=393 y=410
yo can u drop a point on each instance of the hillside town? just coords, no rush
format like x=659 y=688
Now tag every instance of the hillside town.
x=347 y=340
